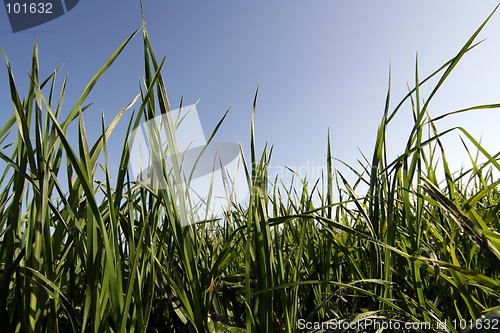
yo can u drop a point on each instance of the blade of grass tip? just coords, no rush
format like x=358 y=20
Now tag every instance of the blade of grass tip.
x=180 y=193
x=209 y=139
x=96 y=148
x=147 y=98
x=359 y=205
x=402 y=158
x=471 y=108
x=476 y=170
x=358 y=174
x=6 y=130
x=447 y=172
x=83 y=145
x=50 y=102
x=416 y=133
x=21 y=118
x=61 y=99
x=245 y=167
x=457 y=58
x=7 y=126
x=252 y=135
x=52 y=79
x=121 y=184
x=329 y=177
x=377 y=159
x=490 y=158
x=90 y=85
x=411 y=92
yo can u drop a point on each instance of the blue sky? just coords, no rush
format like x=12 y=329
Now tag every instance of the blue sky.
x=320 y=65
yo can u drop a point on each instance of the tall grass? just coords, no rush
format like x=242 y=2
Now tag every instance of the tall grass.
x=82 y=254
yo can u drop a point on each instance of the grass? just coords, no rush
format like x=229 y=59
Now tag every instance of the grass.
x=82 y=254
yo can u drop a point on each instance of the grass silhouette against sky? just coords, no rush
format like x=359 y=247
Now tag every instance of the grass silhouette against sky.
x=321 y=65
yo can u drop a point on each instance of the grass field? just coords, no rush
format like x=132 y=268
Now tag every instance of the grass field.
x=79 y=253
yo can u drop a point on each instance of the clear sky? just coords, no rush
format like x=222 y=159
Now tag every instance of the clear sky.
x=320 y=65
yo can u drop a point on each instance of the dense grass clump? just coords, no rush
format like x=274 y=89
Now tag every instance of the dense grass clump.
x=79 y=253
